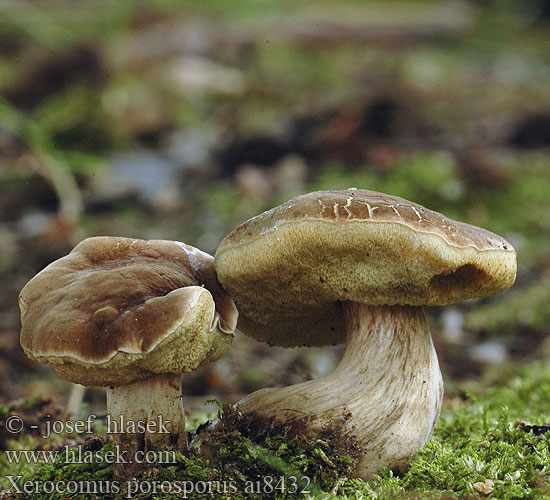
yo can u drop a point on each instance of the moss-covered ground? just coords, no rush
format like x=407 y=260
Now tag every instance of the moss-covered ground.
x=492 y=441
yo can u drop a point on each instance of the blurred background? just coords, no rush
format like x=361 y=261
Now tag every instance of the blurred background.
x=180 y=120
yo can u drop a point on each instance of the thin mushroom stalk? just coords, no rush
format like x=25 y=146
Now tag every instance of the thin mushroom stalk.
x=144 y=417
x=385 y=394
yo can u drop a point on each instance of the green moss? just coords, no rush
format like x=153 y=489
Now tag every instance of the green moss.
x=491 y=439
x=32 y=402
x=241 y=467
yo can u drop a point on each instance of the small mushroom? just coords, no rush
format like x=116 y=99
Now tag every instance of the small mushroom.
x=357 y=265
x=131 y=315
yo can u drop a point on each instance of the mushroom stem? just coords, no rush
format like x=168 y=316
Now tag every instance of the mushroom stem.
x=145 y=416
x=385 y=394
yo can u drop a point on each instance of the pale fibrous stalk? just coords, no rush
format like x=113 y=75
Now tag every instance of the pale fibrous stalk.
x=385 y=394
x=145 y=416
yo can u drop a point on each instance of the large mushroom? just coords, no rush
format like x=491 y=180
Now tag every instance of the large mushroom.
x=356 y=266
x=131 y=315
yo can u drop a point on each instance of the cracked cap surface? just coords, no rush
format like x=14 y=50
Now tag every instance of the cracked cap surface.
x=288 y=268
x=117 y=310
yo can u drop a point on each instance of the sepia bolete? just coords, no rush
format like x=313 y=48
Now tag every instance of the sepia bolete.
x=131 y=315
x=357 y=266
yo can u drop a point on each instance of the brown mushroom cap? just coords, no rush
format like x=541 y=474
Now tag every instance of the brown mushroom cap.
x=288 y=268
x=117 y=310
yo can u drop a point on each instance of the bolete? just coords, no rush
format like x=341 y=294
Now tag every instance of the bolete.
x=131 y=315
x=357 y=266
